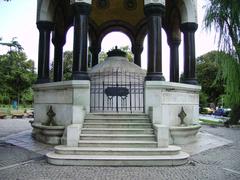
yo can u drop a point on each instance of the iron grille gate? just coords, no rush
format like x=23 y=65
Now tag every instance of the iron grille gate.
x=117 y=91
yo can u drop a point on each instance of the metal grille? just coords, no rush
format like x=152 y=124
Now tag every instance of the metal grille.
x=117 y=91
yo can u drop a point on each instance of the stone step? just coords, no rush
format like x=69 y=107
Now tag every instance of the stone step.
x=116 y=131
x=171 y=150
x=117 y=120
x=116 y=115
x=114 y=144
x=121 y=137
x=100 y=160
x=117 y=125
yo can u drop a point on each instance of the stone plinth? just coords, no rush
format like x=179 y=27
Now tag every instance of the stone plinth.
x=69 y=100
x=165 y=100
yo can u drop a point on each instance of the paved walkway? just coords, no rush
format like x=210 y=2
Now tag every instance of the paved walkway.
x=13 y=126
x=23 y=158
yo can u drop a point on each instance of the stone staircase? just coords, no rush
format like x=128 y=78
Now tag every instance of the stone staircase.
x=117 y=140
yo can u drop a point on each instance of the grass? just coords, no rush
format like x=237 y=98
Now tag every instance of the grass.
x=6 y=109
x=209 y=122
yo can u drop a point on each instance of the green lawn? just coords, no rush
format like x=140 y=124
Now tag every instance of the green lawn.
x=209 y=122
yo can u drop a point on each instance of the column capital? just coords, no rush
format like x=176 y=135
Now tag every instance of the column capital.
x=151 y=10
x=137 y=47
x=174 y=41
x=154 y=2
x=94 y=49
x=189 y=27
x=80 y=1
x=45 y=25
x=81 y=8
x=58 y=39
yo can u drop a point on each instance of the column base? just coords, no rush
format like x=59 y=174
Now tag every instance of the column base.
x=154 y=77
x=190 y=81
x=80 y=76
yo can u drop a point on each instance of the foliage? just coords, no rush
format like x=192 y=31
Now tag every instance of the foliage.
x=67 y=66
x=17 y=75
x=230 y=71
x=27 y=97
x=67 y=63
x=224 y=16
x=210 y=123
x=12 y=44
x=207 y=71
x=103 y=55
x=203 y=99
x=235 y=114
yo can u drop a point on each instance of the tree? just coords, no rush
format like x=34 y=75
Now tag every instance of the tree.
x=11 y=44
x=17 y=75
x=67 y=64
x=224 y=16
x=103 y=55
x=207 y=72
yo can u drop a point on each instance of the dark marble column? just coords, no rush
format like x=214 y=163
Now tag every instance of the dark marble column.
x=188 y=30
x=154 y=13
x=174 y=59
x=45 y=28
x=80 y=49
x=137 y=51
x=58 y=41
x=95 y=50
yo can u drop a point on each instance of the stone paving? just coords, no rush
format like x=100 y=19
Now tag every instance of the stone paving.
x=12 y=126
x=220 y=163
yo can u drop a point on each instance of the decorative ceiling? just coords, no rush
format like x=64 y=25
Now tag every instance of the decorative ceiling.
x=129 y=11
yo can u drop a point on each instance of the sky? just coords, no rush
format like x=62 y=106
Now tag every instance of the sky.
x=18 y=19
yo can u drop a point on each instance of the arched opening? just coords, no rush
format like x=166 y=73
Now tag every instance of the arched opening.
x=144 y=53
x=113 y=39
x=69 y=40
x=165 y=55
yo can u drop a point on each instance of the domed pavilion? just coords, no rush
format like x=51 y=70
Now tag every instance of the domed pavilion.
x=115 y=113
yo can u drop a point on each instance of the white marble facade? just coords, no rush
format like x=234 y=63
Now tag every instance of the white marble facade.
x=70 y=101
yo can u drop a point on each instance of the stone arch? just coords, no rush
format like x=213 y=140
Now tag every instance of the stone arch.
x=120 y=26
x=93 y=32
x=142 y=31
x=188 y=10
x=137 y=47
x=174 y=22
x=45 y=10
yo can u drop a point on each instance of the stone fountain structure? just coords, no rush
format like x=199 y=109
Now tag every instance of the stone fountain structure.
x=136 y=118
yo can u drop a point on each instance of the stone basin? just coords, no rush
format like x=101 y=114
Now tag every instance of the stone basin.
x=47 y=134
x=184 y=134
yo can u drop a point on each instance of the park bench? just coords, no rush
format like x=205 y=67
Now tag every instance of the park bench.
x=30 y=113
x=2 y=115
x=17 y=113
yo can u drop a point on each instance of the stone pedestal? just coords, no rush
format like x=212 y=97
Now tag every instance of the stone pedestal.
x=69 y=100
x=165 y=100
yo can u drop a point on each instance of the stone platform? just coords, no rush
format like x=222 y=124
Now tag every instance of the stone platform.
x=117 y=140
